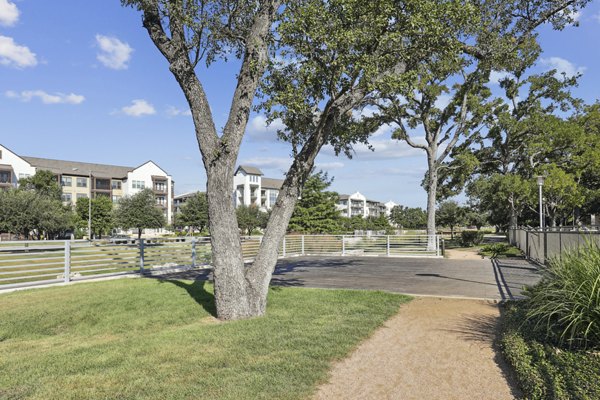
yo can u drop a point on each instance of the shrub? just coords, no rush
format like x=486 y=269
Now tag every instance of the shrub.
x=471 y=238
x=543 y=371
x=565 y=305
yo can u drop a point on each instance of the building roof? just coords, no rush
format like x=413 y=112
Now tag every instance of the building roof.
x=268 y=183
x=185 y=195
x=249 y=170
x=79 y=168
x=343 y=196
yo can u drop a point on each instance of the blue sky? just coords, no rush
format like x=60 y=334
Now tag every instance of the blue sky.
x=81 y=80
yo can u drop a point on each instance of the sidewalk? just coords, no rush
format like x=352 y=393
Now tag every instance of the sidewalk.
x=432 y=349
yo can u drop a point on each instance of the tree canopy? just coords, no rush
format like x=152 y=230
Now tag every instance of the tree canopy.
x=316 y=211
x=139 y=212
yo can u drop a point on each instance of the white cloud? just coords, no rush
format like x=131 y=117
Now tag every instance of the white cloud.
x=442 y=101
x=383 y=149
x=9 y=13
x=14 y=55
x=596 y=16
x=258 y=129
x=46 y=98
x=278 y=163
x=329 y=165
x=114 y=53
x=562 y=66
x=497 y=76
x=138 y=108
x=177 y=112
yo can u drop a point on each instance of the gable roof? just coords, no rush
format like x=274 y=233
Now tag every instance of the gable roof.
x=249 y=170
x=79 y=168
x=268 y=183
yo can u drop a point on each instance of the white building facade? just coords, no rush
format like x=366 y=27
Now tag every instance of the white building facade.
x=251 y=188
x=357 y=204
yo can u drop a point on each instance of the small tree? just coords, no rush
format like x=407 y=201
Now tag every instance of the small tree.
x=102 y=214
x=409 y=218
x=140 y=212
x=194 y=213
x=250 y=218
x=316 y=211
x=449 y=213
x=44 y=183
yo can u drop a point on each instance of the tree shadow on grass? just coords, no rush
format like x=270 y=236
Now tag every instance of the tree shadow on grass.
x=198 y=292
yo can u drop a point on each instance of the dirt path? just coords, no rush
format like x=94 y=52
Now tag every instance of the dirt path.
x=462 y=254
x=432 y=349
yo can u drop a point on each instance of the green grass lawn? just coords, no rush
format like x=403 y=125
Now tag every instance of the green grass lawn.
x=147 y=339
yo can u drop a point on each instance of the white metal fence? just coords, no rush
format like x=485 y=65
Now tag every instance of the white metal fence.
x=27 y=263
x=541 y=246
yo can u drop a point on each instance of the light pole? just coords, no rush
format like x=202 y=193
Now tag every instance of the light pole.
x=540 y=182
x=89 y=204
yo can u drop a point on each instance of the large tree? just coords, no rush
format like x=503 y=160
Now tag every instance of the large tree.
x=139 y=212
x=250 y=217
x=325 y=59
x=449 y=102
x=409 y=217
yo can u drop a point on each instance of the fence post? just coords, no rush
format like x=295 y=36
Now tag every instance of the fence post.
x=284 y=247
x=343 y=245
x=388 y=246
x=193 y=252
x=141 y=244
x=527 y=245
x=67 y=276
x=437 y=245
x=302 y=244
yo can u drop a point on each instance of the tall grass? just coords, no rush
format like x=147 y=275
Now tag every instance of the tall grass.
x=565 y=305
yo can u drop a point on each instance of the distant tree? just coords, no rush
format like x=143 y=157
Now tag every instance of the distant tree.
x=316 y=211
x=476 y=218
x=44 y=183
x=139 y=212
x=409 y=218
x=450 y=214
x=250 y=217
x=102 y=215
x=27 y=213
x=194 y=212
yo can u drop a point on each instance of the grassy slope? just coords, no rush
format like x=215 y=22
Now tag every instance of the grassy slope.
x=149 y=339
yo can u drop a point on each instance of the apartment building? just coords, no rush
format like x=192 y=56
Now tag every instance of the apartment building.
x=89 y=180
x=356 y=204
x=251 y=188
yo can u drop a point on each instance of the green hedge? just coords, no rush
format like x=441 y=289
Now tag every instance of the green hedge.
x=543 y=370
x=471 y=238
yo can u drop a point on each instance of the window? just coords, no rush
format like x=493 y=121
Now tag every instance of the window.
x=102 y=184
x=273 y=196
x=116 y=185
x=160 y=200
x=66 y=197
x=23 y=176
x=138 y=184
x=66 y=181
x=0 y=154
x=5 y=177
x=115 y=199
x=160 y=186
x=81 y=182
x=81 y=196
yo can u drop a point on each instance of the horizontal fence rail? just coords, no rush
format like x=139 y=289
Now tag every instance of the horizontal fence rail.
x=28 y=263
x=543 y=245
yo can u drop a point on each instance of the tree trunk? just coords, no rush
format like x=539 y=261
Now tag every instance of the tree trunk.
x=231 y=298
x=431 y=199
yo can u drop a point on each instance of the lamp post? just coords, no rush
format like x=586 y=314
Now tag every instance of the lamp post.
x=540 y=182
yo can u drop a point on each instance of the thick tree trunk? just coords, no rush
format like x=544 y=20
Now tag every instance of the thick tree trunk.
x=231 y=297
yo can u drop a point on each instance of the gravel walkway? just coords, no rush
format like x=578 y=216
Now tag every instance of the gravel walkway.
x=432 y=349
